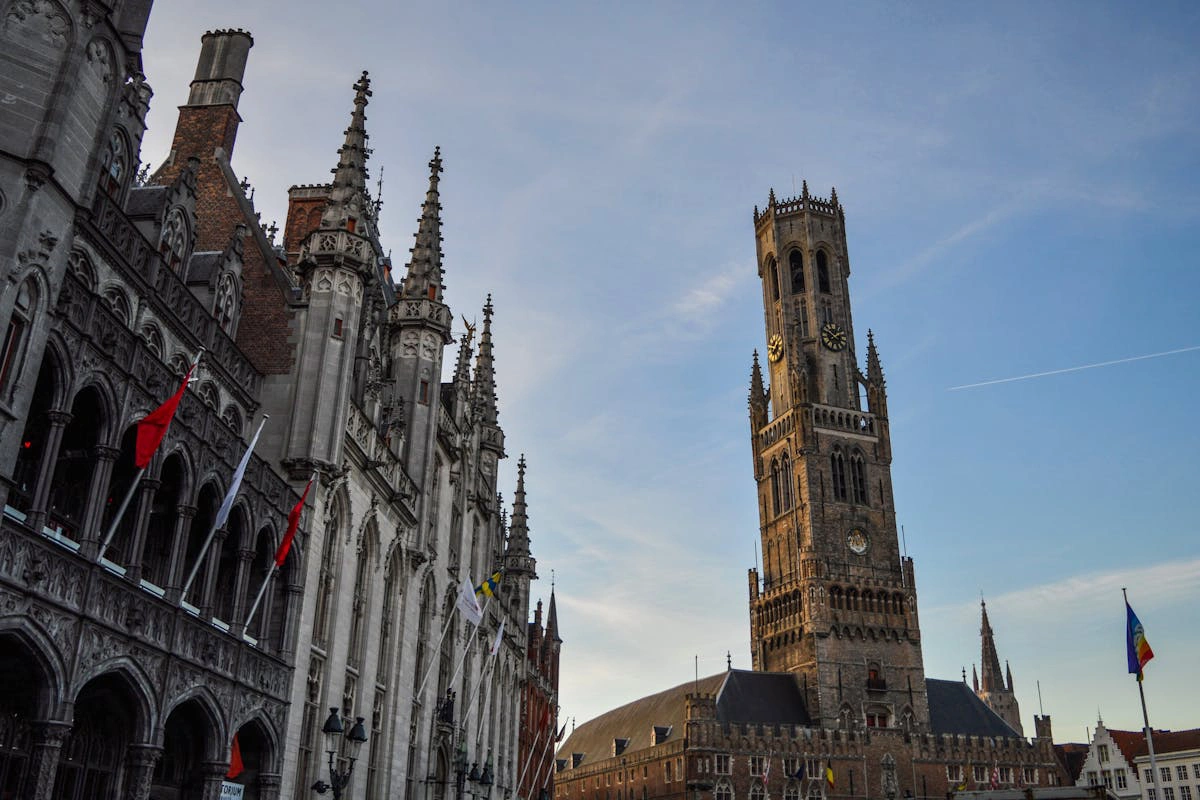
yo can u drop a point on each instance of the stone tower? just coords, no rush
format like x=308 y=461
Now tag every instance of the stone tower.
x=338 y=266
x=993 y=688
x=836 y=601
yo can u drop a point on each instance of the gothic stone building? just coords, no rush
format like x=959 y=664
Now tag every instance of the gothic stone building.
x=838 y=676
x=117 y=677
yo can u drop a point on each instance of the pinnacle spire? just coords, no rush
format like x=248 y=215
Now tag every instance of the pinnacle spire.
x=518 y=540
x=485 y=371
x=462 y=368
x=552 y=620
x=757 y=392
x=989 y=661
x=348 y=192
x=424 y=275
x=874 y=368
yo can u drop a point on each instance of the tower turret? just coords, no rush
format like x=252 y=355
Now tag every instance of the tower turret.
x=419 y=327
x=758 y=396
x=337 y=267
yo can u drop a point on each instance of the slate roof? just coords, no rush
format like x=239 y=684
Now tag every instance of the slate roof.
x=146 y=201
x=954 y=709
x=742 y=697
x=202 y=265
x=1072 y=755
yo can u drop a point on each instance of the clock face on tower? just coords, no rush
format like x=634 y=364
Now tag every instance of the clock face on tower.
x=832 y=336
x=775 y=348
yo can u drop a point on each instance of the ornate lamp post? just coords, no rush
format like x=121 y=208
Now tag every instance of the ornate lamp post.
x=482 y=778
x=339 y=741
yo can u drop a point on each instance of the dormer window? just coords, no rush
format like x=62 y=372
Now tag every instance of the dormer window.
x=173 y=244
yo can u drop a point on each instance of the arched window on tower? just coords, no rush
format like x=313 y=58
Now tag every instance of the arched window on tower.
x=837 y=463
x=822 y=272
x=775 y=492
x=785 y=477
x=773 y=277
x=796 y=267
x=858 y=478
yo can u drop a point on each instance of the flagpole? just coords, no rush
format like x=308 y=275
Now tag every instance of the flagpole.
x=470 y=646
x=521 y=777
x=471 y=703
x=137 y=479
x=112 y=528
x=217 y=523
x=261 y=591
x=1145 y=717
x=438 y=648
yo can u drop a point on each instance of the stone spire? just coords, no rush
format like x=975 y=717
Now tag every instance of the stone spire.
x=990 y=661
x=1008 y=676
x=348 y=208
x=552 y=620
x=485 y=373
x=758 y=396
x=974 y=679
x=518 y=538
x=874 y=368
x=424 y=275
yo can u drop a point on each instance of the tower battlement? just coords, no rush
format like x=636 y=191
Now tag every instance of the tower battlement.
x=798 y=205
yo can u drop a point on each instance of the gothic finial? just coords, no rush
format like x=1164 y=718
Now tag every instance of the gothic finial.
x=379 y=192
x=348 y=205
x=771 y=198
x=833 y=197
x=804 y=189
x=424 y=275
x=728 y=660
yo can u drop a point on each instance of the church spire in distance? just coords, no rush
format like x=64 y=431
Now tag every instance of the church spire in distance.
x=424 y=275
x=991 y=678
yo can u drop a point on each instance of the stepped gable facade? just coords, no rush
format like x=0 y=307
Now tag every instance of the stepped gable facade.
x=839 y=680
x=126 y=670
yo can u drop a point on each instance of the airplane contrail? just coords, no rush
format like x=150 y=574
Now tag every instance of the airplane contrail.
x=1074 y=369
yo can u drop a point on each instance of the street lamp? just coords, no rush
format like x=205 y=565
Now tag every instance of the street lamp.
x=339 y=741
x=483 y=778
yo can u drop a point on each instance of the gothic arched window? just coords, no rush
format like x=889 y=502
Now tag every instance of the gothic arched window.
x=173 y=242
x=775 y=492
x=114 y=166
x=796 y=267
x=16 y=338
x=785 y=476
x=327 y=578
x=773 y=277
x=822 y=272
x=225 y=306
x=837 y=463
x=358 y=608
x=858 y=478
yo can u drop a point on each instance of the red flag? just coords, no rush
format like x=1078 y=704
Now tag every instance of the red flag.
x=235 y=760
x=293 y=524
x=152 y=429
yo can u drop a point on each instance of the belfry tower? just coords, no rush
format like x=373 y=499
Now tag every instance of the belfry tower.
x=835 y=602
x=993 y=688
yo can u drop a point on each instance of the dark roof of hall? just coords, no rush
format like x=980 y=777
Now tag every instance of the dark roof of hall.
x=955 y=709
x=765 y=698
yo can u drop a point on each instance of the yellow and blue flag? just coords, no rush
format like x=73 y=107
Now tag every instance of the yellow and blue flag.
x=488 y=587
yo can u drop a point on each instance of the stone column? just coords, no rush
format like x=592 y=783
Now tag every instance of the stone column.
x=214 y=773
x=206 y=579
x=241 y=603
x=48 y=738
x=141 y=521
x=142 y=760
x=93 y=514
x=268 y=786
x=45 y=473
x=175 y=576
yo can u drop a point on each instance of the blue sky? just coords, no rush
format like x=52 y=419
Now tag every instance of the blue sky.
x=1021 y=195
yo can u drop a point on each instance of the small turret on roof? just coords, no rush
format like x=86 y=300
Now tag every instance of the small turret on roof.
x=423 y=277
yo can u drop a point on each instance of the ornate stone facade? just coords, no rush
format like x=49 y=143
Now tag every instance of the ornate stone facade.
x=120 y=674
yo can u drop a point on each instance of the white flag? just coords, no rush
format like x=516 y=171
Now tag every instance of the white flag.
x=467 y=603
x=499 y=639
x=236 y=485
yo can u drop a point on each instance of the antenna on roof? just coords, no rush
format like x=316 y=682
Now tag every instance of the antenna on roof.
x=904 y=541
x=696 y=683
x=1041 y=712
x=728 y=660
